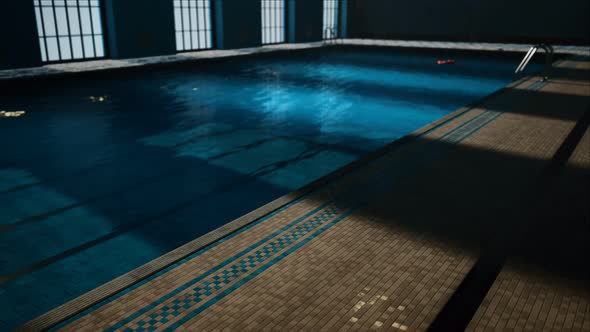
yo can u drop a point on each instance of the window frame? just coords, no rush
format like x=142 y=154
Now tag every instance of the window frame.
x=211 y=29
x=283 y=40
x=43 y=47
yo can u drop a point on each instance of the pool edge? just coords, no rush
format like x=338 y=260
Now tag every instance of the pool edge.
x=73 y=69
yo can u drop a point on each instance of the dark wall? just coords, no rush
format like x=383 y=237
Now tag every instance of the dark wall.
x=305 y=20
x=140 y=28
x=345 y=5
x=526 y=21
x=18 y=35
x=237 y=23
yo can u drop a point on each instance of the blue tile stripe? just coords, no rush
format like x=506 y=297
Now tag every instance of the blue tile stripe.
x=251 y=276
x=474 y=124
x=447 y=121
x=461 y=127
x=242 y=266
x=468 y=128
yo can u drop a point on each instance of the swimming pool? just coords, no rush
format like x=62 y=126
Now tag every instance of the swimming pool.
x=105 y=172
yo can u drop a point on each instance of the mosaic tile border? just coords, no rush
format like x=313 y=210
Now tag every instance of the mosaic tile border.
x=184 y=301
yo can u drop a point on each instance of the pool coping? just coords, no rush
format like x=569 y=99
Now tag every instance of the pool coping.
x=110 y=65
x=70 y=69
x=73 y=307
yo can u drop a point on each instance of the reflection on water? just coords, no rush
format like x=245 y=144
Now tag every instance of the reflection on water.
x=98 y=99
x=11 y=114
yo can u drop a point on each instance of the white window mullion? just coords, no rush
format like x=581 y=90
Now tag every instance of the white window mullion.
x=273 y=21
x=193 y=24
x=69 y=29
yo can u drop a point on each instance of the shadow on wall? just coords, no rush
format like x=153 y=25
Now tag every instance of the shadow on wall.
x=18 y=33
x=526 y=21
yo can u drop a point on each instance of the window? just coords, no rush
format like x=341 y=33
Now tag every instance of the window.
x=273 y=21
x=330 y=19
x=69 y=29
x=192 y=19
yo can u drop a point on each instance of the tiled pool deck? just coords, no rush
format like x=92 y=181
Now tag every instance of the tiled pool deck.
x=478 y=220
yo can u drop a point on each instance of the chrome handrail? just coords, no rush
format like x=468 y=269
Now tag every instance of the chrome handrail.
x=529 y=55
x=330 y=34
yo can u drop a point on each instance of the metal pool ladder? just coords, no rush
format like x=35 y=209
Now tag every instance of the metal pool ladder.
x=529 y=55
x=330 y=34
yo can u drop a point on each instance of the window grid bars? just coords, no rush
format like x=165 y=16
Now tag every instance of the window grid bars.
x=192 y=20
x=331 y=15
x=69 y=29
x=273 y=21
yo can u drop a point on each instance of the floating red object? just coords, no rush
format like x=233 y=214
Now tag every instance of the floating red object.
x=445 y=62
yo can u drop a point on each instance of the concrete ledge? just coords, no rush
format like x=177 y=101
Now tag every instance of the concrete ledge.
x=103 y=65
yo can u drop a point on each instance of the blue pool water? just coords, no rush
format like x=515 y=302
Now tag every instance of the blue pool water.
x=105 y=173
